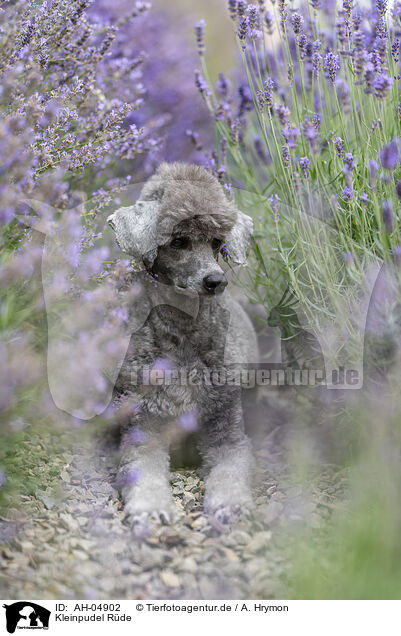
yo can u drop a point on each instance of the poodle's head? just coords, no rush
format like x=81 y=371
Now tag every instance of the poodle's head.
x=179 y=226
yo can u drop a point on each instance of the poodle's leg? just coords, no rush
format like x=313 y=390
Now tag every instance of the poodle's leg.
x=228 y=456
x=144 y=475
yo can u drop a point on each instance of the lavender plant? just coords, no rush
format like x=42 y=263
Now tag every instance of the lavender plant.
x=65 y=138
x=311 y=133
x=312 y=148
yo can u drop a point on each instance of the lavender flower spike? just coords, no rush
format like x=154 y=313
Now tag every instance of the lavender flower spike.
x=305 y=163
x=331 y=64
x=200 y=36
x=388 y=217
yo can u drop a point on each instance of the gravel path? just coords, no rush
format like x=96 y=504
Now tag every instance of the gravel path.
x=79 y=545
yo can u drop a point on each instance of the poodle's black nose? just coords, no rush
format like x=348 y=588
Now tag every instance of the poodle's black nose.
x=214 y=283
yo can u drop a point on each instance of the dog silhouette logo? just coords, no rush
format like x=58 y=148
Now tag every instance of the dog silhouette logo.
x=26 y=615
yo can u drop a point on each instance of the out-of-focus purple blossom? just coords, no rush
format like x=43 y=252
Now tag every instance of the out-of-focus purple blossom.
x=347 y=193
x=202 y=85
x=303 y=45
x=370 y=74
x=282 y=9
x=339 y=143
x=254 y=21
x=274 y=201
x=242 y=31
x=395 y=50
x=347 y=7
x=397 y=254
x=230 y=196
x=316 y=120
x=200 y=37
x=290 y=134
x=388 y=217
x=341 y=28
x=269 y=22
x=286 y=157
x=188 y=421
x=381 y=30
x=389 y=155
x=398 y=188
x=365 y=198
x=304 y=162
x=283 y=113
x=349 y=161
x=259 y=148
x=265 y=96
x=373 y=168
x=223 y=85
x=136 y=436
x=232 y=9
x=297 y=22
x=381 y=7
x=316 y=63
x=310 y=134
x=382 y=84
x=246 y=102
x=3 y=478
x=241 y=8
x=331 y=64
x=348 y=258
x=194 y=137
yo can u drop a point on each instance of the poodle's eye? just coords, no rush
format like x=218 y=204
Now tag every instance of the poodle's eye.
x=216 y=244
x=180 y=243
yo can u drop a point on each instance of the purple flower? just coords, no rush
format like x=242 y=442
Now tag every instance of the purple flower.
x=381 y=6
x=388 y=217
x=269 y=22
x=297 y=22
x=200 y=36
x=189 y=421
x=305 y=163
x=373 y=168
x=397 y=254
x=290 y=134
x=283 y=113
x=274 y=201
x=339 y=143
x=398 y=188
x=254 y=21
x=223 y=85
x=242 y=31
x=316 y=63
x=395 y=50
x=382 y=84
x=349 y=161
x=331 y=65
x=389 y=155
x=347 y=193
x=286 y=156
x=202 y=85
x=3 y=478
x=232 y=8
x=365 y=198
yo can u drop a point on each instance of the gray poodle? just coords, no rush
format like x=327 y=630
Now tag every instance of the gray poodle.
x=184 y=232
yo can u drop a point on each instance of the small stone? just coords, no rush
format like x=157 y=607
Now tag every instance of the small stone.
x=169 y=578
x=259 y=541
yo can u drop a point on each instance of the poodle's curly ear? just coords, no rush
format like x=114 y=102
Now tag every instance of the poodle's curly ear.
x=136 y=230
x=237 y=241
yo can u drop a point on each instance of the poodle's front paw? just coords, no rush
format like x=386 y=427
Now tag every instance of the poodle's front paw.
x=138 y=518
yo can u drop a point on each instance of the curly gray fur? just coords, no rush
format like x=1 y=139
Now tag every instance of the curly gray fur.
x=177 y=228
